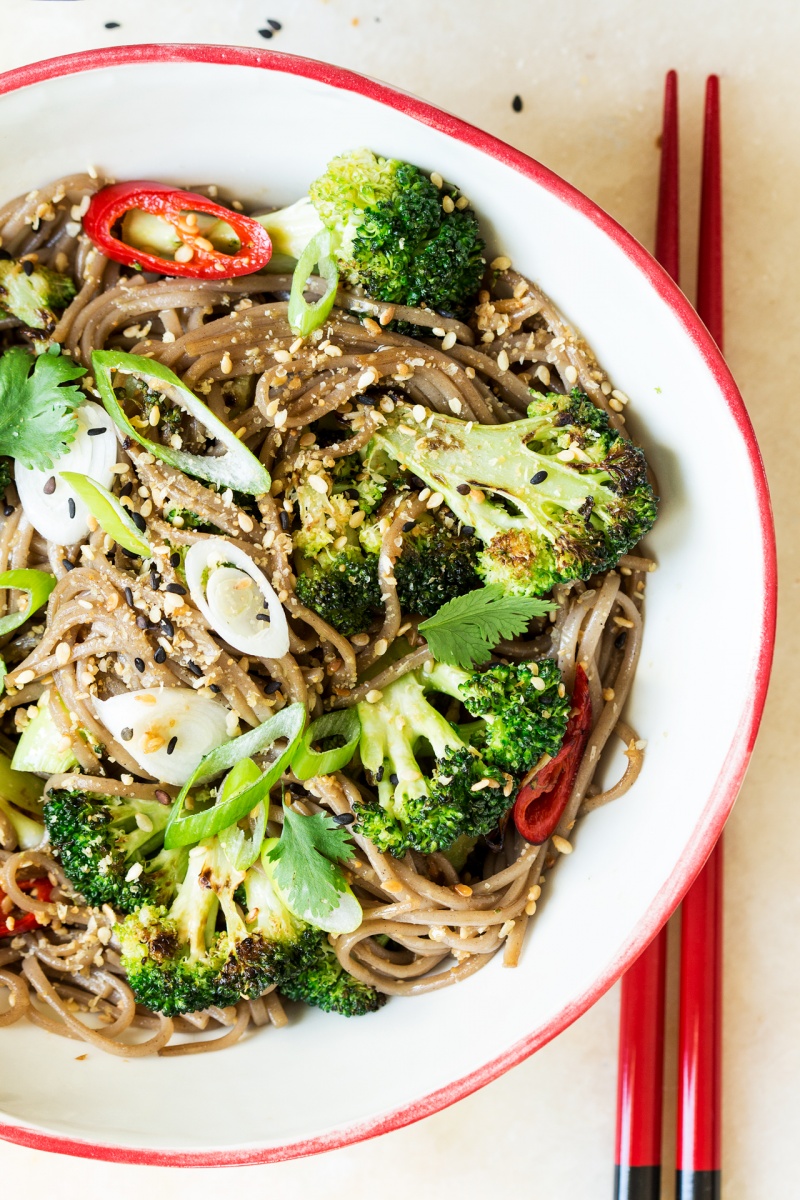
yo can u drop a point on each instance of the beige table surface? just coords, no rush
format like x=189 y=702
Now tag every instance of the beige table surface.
x=590 y=75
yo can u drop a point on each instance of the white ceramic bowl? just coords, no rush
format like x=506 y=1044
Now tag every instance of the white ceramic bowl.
x=273 y=123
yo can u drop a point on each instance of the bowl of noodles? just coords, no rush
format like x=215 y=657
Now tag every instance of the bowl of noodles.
x=342 y=695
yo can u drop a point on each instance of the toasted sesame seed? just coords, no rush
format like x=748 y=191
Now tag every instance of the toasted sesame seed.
x=605 y=388
x=561 y=844
x=368 y=378
x=449 y=340
x=226 y=363
x=318 y=484
x=615 y=405
x=618 y=395
x=502 y=360
x=501 y=263
x=195 y=670
x=25 y=677
x=62 y=652
x=530 y=908
x=506 y=927
x=624 y=622
x=435 y=500
x=387 y=315
x=381 y=646
x=135 y=871
x=183 y=254
x=608 y=693
x=463 y=889
x=154 y=416
x=461 y=203
x=448 y=204
x=245 y=522
x=571 y=375
x=419 y=413
x=436 y=179
x=373 y=696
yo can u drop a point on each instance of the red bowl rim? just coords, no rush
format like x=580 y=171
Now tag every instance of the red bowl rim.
x=720 y=802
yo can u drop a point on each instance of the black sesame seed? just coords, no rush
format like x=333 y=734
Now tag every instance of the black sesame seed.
x=262 y=616
x=4 y=254
x=177 y=588
x=193 y=667
x=394 y=779
x=408 y=526
x=28 y=267
x=379 y=774
x=139 y=664
x=138 y=521
x=266 y=33
x=621 y=639
x=160 y=655
x=296 y=789
x=215 y=688
x=463 y=489
x=8 y=510
x=111 y=25
x=126 y=734
x=276 y=25
x=125 y=490
x=128 y=594
x=343 y=819
x=96 y=431
x=539 y=477
x=171 y=744
x=168 y=627
x=71 y=507
x=155 y=579
x=273 y=686
x=174 y=561
x=126 y=442
x=142 y=621
x=67 y=565
x=516 y=104
x=468 y=530
x=284 y=520
x=50 y=486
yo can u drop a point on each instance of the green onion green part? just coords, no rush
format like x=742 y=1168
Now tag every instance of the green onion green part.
x=344 y=724
x=38 y=585
x=111 y=516
x=188 y=829
x=237 y=468
x=303 y=317
x=242 y=848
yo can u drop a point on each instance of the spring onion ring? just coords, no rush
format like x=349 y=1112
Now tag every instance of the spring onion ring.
x=38 y=585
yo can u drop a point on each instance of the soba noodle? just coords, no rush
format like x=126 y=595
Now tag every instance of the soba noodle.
x=65 y=976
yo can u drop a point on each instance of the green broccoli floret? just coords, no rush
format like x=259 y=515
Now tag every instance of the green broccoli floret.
x=111 y=847
x=523 y=709
x=32 y=293
x=5 y=474
x=390 y=233
x=458 y=793
x=555 y=497
x=327 y=985
x=184 y=518
x=180 y=960
x=435 y=565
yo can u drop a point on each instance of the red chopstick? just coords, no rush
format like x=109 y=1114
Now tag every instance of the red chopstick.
x=698 y=1152
x=640 y=1075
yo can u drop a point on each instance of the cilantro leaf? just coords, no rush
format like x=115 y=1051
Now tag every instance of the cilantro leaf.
x=464 y=631
x=37 y=419
x=305 y=859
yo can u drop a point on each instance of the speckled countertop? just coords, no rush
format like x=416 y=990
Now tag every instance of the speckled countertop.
x=590 y=78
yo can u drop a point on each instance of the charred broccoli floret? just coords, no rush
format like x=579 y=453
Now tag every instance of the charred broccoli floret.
x=390 y=231
x=325 y=984
x=32 y=293
x=111 y=847
x=555 y=497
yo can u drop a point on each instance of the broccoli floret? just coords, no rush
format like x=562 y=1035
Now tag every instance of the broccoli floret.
x=184 y=518
x=523 y=708
x=33 y=297
x=180 y=960
x=435 y=565
x=170 y=416
x=426 y=809
x=111 y=847
x=390 y=233
x=5 y=474
x=327 y=985
x=555 y=497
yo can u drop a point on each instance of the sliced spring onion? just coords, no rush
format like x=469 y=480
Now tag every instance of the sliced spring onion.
x=110 y=515
x=166 y=730
x=46 y=497
x=238 y=468
x=38 y=585
x=344 y=724
x=346 y=914
x=234 y=596
x=20 y=787
x=241 y=847
x=303 y=317
x=185 y=830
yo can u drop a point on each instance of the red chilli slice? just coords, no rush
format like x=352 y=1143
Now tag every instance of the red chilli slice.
x=111 y=203
x=540 y=804
x=42 y=890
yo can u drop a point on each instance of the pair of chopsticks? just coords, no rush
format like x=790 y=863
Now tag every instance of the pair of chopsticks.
x=641 y=1051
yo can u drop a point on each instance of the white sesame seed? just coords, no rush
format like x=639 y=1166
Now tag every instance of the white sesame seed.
x=282 y=356
x=281 y=418
x=381 y=646
x=134 y=872
x=419 y=414
x=449 y=340
x=618 y=395
x=436 y=179
x=144 y=822
x=462 y=202
x=332 y=352
x=502 y=360
x=605 y=388
x=506 y=927
x=571 y=375
x=454 y=404
x=435 y=500
x=615 y=404
x=501 y=263
x=561 y=844
x=369 y=377
x=245 y=522
x=318 y=484
x=226 y=364
x=62 y=653
x=357 y=519
x=184 y=254
x=437 y=332
x=447 y=204
x=374 y=696
x=566 y=456
x=25 y=677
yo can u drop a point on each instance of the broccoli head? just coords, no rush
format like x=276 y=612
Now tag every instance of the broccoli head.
x=390 y=232
x=111 y=847
x=325 y=984
x=555 y=497
x=456 y=793
x=33 y=293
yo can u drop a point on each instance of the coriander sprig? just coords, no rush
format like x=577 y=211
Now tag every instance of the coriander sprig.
x=464 y=631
